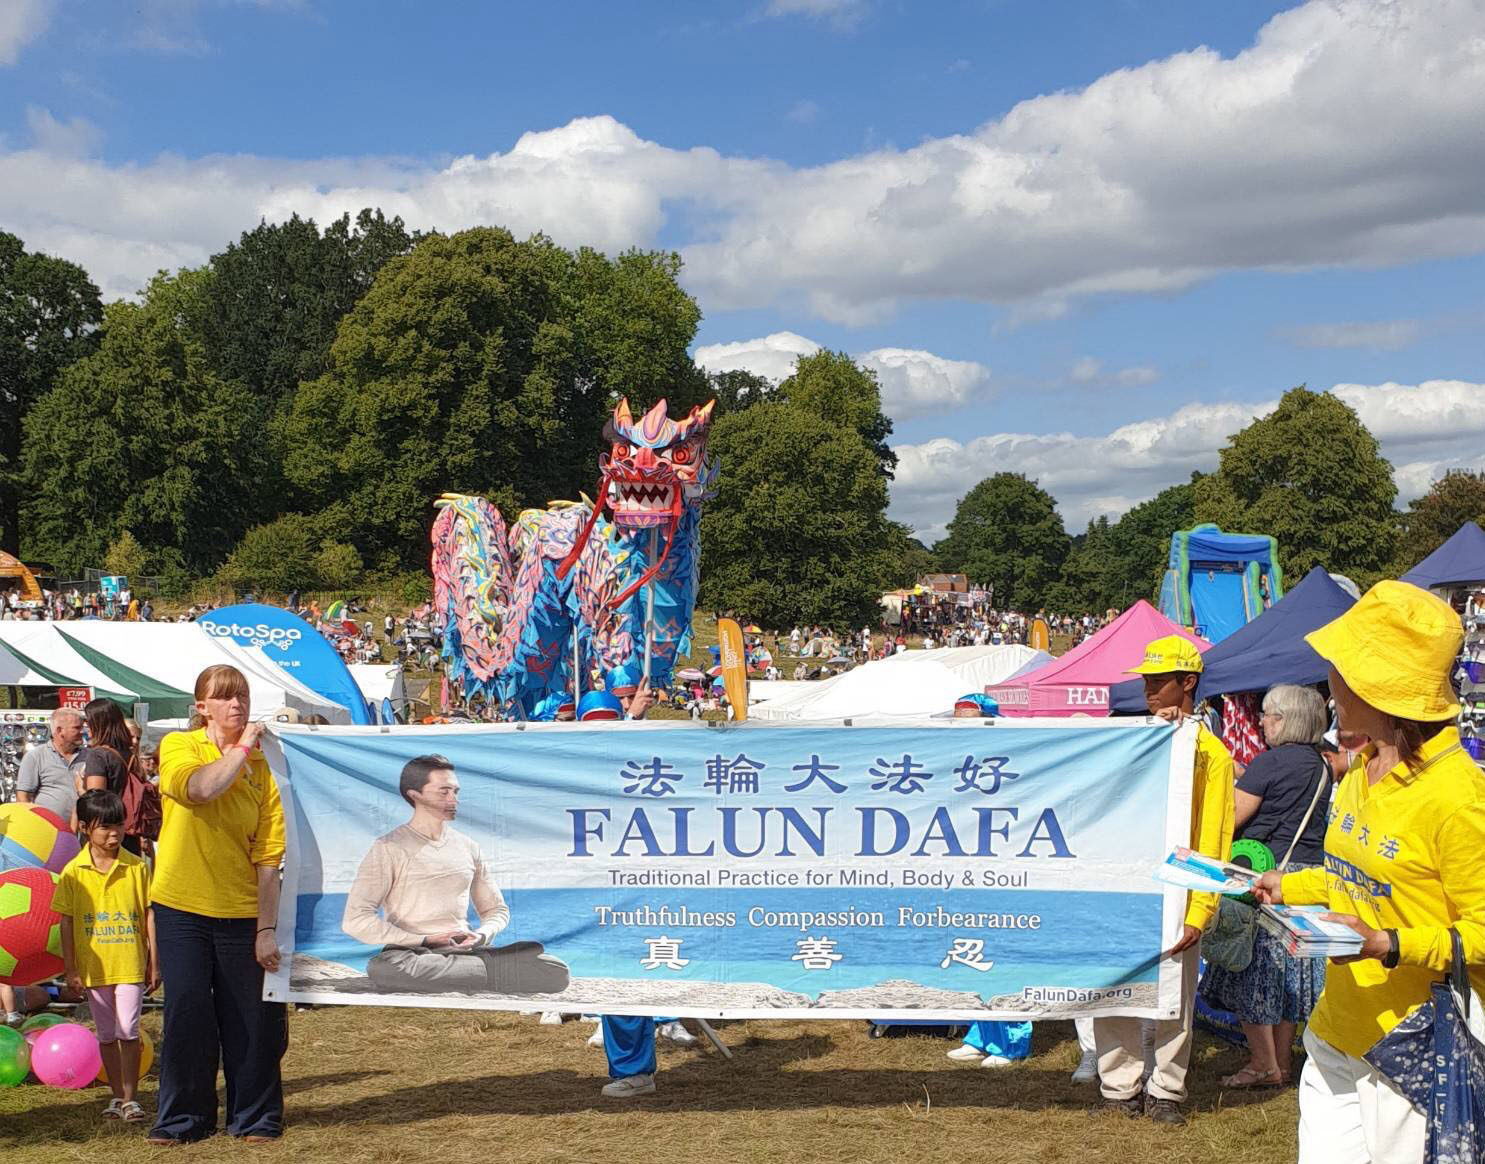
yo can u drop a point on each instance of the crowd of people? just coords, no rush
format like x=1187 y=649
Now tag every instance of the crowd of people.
x=74 y=602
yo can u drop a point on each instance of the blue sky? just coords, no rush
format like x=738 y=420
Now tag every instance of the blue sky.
x=1084 y=241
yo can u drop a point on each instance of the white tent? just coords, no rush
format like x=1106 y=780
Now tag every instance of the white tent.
x=33 y=655
x=379 y=681
x=911 y=683
x=163 y=659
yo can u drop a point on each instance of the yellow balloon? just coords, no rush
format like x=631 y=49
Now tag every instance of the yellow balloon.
x=146 y=1057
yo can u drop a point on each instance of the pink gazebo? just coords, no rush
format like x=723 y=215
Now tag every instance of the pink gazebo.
x=1078 y=682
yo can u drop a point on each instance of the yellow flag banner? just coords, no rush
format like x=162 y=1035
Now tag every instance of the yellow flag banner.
x=1040 y=636
x=734 y=666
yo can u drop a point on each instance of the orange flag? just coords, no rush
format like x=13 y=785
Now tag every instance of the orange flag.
x=734 y=666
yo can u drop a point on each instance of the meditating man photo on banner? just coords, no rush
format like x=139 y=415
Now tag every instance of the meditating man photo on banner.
x=412 y=895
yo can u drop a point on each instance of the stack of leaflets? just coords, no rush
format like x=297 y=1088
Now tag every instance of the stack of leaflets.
x=1189 y=869
x=1304 y=933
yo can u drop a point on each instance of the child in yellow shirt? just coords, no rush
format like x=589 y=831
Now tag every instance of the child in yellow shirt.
x=108 y=941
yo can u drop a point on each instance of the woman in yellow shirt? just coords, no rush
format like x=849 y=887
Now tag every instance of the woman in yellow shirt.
x=216 y=892
x=1404 y=864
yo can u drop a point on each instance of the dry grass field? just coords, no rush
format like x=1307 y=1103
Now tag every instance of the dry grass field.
x=412 y=1086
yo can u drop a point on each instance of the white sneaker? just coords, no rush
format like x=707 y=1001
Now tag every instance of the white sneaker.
x=1087 y=1071
x=14 y=1018
x=996 y=1061
x=630 y=1086
x=596 y=1038
x=676 y=1033
x=551 y=1018
x=964 y=1053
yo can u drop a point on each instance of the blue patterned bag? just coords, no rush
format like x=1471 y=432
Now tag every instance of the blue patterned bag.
x=1438 y=1064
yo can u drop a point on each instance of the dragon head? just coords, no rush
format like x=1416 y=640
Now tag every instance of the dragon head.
x=654 y=465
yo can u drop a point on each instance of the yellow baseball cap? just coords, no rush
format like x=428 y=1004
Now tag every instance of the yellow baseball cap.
x=1172 y=653
x=1395 y=649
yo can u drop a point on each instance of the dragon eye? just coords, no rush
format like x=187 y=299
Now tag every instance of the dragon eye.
x=681 y=455
x=621 y=449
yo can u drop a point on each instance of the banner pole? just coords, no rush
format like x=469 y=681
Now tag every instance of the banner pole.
x=650 y=601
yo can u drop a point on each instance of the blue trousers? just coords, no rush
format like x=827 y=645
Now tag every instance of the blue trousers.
x=1008 y=1040
x=629 y=1043
x=215 y=1016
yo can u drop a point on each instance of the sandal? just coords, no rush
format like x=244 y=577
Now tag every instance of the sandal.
x=1250 y=1079
x=131 y=1112
x=114 y=1110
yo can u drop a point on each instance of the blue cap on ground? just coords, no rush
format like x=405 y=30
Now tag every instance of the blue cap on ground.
x=979 y=701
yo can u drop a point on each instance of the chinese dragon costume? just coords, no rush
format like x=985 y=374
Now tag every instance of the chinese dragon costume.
x=572 y=584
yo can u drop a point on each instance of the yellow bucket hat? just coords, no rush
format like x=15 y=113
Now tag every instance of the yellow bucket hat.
x=1395 y=649
x=1171 y=653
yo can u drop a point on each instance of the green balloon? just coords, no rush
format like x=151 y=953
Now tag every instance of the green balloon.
x=39 y=1022
x=15 y=1057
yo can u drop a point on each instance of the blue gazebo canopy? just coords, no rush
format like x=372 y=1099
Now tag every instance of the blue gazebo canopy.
x=1460 y=559
x=1270 y=649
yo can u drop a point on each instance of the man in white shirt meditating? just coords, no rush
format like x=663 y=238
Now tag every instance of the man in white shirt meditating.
x=412 y=896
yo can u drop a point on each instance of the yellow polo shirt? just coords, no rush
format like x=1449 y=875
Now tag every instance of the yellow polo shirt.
x=1212 y=813
x=207 y=857
x=1404 y=854
x=107 y=914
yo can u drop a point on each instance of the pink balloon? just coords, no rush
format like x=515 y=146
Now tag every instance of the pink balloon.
x=66 y=1056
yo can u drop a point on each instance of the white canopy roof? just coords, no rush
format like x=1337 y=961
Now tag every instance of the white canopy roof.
x=910 y=683
x=379 y=681
x=170 y=653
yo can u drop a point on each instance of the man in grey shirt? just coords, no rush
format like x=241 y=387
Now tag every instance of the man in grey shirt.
x=48 y=774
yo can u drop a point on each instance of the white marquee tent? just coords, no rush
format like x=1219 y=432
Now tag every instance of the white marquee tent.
x=911 y=683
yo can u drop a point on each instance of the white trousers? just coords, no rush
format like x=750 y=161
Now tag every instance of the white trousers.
x=1350 y=1114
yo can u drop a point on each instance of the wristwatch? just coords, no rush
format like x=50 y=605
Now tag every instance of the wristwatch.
x=1389 y=959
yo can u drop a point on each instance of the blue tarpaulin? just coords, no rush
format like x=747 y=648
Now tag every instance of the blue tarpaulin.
x=1460 y=559
x=1270 y=649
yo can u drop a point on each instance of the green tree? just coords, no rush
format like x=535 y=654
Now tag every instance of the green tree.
x=1090 y=574
x=142 y=436
x=798 y=529
x=269 y=315
x=1431 y=520
x=277 y=557
x=839 y=391
x=49 y=310
x=737 y=390
x=1140 y=542
x=125 y=556
x=477 y=363
x=1007 y=531
x=1312 y=476
x=338 y=565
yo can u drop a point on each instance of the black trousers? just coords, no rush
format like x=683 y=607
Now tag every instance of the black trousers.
x=215 y=1016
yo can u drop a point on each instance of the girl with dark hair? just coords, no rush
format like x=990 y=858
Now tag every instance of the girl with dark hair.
x=110 y=754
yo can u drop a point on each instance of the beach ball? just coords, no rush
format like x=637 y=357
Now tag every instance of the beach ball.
x=66 y=1056
x=146 y=1058
x=32 y=837
x=30 y=930
x=15 y=1057
x=39 y=1022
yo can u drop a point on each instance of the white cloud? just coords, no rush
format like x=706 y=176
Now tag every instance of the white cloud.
x=1089 y=372
x=1424 y=430
x=803 y=113
x=21 y=22
x=1150 y=179
x=1301 y=151
x=1085 y=370
x=841 y=11
x=66 y=139
x=917 y=382
x=772 y=357
x=1383 y=335
x=912 y=382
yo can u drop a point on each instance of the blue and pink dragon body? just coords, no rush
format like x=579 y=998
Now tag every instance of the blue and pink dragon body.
x=510 y=601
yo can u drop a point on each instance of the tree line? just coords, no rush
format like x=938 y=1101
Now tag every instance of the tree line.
x=283 y=416
x=1310 y=474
